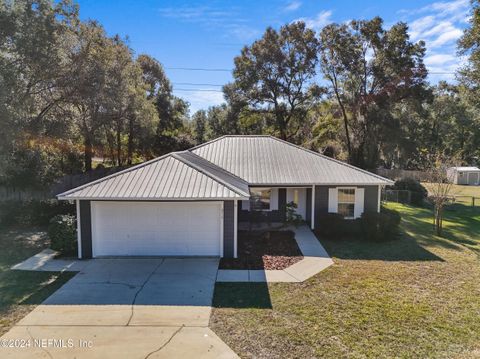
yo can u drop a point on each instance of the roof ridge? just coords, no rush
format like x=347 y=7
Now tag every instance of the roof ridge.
x=206 y=143
x=221 y=137
x=332 y=159
x=213 y=164
x=140 y=165
x=208 y=173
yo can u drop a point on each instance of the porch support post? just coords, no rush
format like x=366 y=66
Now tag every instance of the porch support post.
x=79 y=230
x=312 y=224
x=379 y=198
x=235 y=228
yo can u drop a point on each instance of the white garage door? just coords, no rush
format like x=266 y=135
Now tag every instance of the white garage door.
x=156 y=228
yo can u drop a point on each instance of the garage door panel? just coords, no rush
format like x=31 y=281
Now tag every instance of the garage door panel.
x=156 y=228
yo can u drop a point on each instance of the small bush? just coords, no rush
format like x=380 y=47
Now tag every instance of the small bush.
x=419 y=193
x=292 y=217
x=333 y=225
x=32 y=213
x=380 y=226
x=62 y=232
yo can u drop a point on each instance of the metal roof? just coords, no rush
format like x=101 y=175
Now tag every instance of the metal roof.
x=266 y=160
x=172 y=176
x=224 y=169
x=214 y=171
x=466 y=169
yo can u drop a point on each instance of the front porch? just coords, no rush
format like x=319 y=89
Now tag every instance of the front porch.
x=269 y=205
x=313 y=260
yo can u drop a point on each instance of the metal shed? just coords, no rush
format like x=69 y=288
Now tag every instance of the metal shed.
x=464 y=175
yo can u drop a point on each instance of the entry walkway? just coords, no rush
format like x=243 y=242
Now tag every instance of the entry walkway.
x=315 y=260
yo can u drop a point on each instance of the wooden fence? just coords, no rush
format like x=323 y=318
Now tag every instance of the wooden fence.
x=10 y=193
x=396 y=174
x=21 y=195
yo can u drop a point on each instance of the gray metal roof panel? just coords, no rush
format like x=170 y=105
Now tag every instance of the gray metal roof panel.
x=266 y=160
x=166 y=177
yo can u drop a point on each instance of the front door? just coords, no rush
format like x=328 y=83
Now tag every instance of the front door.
x=299 y=197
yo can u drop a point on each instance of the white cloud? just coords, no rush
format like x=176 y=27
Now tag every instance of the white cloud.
x=439 y=59
x=212 y=18
x=294 y=5
x=440 y=24
x=317 y=23
x=201 y=99
x=448 y=36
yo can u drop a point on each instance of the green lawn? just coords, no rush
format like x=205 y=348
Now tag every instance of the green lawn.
x=414 y=297
x=21 y=291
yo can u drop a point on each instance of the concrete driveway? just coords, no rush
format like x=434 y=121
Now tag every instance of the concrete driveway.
x=132 y=308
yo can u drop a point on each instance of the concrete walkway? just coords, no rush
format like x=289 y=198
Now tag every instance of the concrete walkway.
x=45 y=261
x=126 y=308
x=315 y=260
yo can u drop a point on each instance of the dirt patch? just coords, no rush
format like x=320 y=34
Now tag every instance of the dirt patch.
x=271 y=250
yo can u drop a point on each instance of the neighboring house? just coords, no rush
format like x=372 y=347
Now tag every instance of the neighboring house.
x=464 y=175
x=188 y=203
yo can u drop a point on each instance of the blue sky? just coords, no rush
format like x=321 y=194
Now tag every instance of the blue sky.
x=209 y=34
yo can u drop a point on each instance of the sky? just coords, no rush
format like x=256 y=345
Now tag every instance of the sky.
x=196 y=41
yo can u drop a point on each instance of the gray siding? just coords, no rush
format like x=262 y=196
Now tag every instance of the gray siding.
x=371 y=199
x=86 y=229
x=228 y=229
x=321 y=200
x=282 y=204
x=308 y=210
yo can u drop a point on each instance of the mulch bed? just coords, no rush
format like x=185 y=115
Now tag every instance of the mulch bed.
x=271 y=250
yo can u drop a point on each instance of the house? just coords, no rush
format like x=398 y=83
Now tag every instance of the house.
x=189 y=203
x=464 y=175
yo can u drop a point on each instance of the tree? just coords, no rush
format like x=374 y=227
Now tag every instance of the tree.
x=371 y=72
x=276 y=74
x=35 y=39
x=469 y=45
x=199 y=120
x=440 y=190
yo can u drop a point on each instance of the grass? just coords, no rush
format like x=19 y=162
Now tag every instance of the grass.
x=416 y=296
x=21 y=291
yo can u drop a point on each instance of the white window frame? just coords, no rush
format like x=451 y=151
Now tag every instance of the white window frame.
x=270 y=198
x=354 y=201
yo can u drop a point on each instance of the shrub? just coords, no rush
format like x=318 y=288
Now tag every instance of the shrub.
x=62 y=232
x=380 y=226
x=419 y=193
x=292 y=217
x=34 y=212
x=333 y=225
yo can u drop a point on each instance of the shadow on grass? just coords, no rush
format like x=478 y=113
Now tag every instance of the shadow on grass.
x=416 y=234
x=46 y=291
x=242 y=295
x=28 y=287
x=403 y=249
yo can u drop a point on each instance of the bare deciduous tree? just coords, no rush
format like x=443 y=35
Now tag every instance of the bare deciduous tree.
x=440 y=191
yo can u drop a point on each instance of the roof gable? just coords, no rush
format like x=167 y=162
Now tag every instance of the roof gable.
x=166 y=177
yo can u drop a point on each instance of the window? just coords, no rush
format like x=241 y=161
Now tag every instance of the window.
x=346 y=202
x=260 y=198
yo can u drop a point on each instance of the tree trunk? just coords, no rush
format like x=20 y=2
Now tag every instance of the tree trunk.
x=119 y=146
x=88 y=153
x=130 y=141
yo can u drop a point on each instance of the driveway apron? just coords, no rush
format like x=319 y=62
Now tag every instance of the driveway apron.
x=132 y=308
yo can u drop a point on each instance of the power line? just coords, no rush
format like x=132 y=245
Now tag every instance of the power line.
x=195 y=90
x=195 y=84
x=198 y=69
